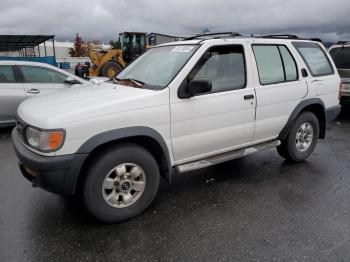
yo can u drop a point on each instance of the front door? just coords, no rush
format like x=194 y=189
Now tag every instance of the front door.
x=220 y=120
x=11 y=94
x=41 y=80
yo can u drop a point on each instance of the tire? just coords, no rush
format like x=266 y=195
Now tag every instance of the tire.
x=111 y=69
x=107 y=168
x=292 y=148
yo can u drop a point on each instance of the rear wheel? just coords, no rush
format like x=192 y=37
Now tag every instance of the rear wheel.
x=120 y=183
x=302 y=138
x=111 y=69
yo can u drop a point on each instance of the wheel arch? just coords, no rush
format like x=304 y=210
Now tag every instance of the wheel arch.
x=146 y=137
x=314 y=105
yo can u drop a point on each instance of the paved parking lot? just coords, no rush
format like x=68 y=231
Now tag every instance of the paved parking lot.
x=259 y=208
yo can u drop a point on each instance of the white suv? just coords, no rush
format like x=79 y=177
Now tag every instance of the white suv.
x=178 y=107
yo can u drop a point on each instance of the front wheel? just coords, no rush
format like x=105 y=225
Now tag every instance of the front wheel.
x=302 y=138
x=111 y=69
x=120 y=183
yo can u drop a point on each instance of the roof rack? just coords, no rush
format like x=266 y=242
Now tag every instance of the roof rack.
x=343 y=42
x=289 y=36
x=230 y=34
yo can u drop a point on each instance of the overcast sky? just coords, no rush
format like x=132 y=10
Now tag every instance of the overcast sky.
x=104 y=19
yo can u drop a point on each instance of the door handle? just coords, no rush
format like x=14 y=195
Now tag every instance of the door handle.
x=248 y=97
x=33 y=91
x=316 y=80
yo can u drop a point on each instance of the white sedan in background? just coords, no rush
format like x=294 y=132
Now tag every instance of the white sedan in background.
x=20 y=80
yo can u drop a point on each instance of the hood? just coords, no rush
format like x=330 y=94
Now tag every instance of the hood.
x=53 y=110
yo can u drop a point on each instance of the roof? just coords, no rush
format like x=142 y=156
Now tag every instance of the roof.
x=18 y=42
x=237 y=39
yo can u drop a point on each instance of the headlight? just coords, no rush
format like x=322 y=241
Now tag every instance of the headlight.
x=44 y=140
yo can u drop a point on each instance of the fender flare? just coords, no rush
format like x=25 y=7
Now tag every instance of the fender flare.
x=300 y=107
x=124 y=133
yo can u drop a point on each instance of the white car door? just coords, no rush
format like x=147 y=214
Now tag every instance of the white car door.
x=218 y=121
x=11 y=94
x=279 y=88
x=41 y=80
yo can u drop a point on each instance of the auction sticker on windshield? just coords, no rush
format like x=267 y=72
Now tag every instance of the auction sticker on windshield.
x=182 y=48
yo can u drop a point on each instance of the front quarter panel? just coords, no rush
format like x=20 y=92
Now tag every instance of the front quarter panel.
x=154 y=114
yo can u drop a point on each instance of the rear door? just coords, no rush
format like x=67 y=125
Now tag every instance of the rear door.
x=41 y=80
x=279 y=88
x=11 y=93
x=323 y=78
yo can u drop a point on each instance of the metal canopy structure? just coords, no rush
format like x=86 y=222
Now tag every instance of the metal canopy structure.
x=18 y=42
x=26 y=47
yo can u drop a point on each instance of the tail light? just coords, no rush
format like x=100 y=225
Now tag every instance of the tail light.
x=341 y=87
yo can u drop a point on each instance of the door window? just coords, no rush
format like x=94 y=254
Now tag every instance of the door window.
x=224 y=66
x=289 y=64
x=35 y=74
x=275 y=64
x=6 y=74
x=315 y=58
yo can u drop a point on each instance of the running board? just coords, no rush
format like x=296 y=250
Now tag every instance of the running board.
x=213 y=160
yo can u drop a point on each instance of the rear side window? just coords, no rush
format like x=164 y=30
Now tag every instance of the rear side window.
x=35 y=74
x=275 y=64
x=6 y=74
x=315 y=58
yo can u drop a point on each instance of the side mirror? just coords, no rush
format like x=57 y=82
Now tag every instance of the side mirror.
x=71 y=81
x=199 y=86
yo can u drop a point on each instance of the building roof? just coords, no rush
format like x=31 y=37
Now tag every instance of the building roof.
x=18 y=42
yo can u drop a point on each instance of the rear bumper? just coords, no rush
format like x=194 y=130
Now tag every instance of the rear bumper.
x=333 y=112
x=345 y=100
x=57 y=174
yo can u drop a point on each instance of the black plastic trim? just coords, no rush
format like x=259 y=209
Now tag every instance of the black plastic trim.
x=128 y=132
x=302 y=105
x=332 y=112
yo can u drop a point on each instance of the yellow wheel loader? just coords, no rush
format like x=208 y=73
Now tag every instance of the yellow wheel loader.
x=106 y=63
x=109 y=63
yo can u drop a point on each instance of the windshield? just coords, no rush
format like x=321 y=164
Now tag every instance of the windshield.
x=158 y=66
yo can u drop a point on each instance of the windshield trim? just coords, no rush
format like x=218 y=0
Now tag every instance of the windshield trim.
x=197 y=46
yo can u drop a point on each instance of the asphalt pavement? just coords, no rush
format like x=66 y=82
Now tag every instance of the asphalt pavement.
x=257 y=208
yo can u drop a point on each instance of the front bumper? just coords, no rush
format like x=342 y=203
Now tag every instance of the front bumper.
x=58 y=174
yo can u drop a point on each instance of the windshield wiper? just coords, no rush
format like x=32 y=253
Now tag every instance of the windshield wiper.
x=135 y=81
